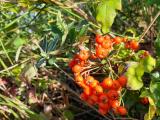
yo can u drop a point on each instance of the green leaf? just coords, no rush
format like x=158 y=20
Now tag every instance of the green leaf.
x=149 y=63
x=134 y=74
x=157 y=45
x=106 y=12
x=151 y=113
x=19 y=42
x=68 y=115
x=155 y=90
x=62 y=26
x=52 y=43
x=155 y=76
x=28 y=72
x=145 y=93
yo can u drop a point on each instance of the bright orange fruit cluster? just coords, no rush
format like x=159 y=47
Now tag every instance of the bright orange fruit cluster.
x=103 y=94
x=105 y=43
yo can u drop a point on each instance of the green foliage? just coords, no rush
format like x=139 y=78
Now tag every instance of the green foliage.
x=38 y=37
x=68 y=115
x=134 y=75
x=149 y=63
x=155 y=89
x=19 y=42
x=106 y=12
x=151 y=113
x=136 y=71
x=23 y=111
x=157 y=46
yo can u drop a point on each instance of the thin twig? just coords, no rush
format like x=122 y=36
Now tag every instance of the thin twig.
x=9 y=68
x=150 y=25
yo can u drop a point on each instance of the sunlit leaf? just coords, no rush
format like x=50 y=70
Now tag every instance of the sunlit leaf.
x=134 y=74
x=106 y=12
x=149 y=63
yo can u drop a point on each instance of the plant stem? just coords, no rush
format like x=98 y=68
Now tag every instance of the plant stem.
x=150 y=25
x=6 y=52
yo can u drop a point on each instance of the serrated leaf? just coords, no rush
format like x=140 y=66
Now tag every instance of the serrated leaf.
x=62 y=26
x=106 y=12
x=134 y=78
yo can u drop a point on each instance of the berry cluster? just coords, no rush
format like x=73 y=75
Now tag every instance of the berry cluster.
x=104 y=44
x=104 y=94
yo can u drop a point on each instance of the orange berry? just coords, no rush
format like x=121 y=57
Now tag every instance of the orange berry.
x=99 y=39
x=144 y=100
x=122 y=111
x=93 y=56
x=94 y=83
x=98 y=89
x=134 y=45
x=102 y=111
x=72 y=63
x=116 y=85
x=89 y=80
x=112 y=94
x=117 y=40
x=106 y=44
x=84 y=55
x=124 y=39
x=107 y=83
x=76 y=68
x=82 y=63
x=94 y=98
x=83 y=96
x=103 y=98
x=101 y=52
x=107 y=37
x=115 y=104
x=78 y=78
x=90 y=102
x=122 y=80
x=104 y=106
x=87 y=90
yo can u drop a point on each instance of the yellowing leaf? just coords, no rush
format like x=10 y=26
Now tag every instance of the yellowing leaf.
x=151 y=113
x=106 y=12
x=149 y=63
x=134 y=74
